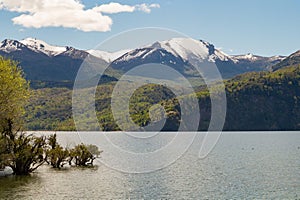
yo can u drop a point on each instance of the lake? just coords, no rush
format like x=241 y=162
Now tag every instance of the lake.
x=241 y=166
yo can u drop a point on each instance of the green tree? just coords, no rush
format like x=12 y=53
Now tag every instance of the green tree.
x=14 y=93
x=3 y=152
x=22 y=152
x=84 y=155
x=57 y=156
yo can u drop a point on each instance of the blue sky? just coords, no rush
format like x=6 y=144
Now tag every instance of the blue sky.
x=269 y=27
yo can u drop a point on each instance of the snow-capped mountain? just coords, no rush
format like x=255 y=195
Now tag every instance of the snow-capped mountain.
x=179 y=53
x=42 y=61
x=251 y=57
x=35 y=45
x=41 y=46
x=257 y=63
x=188 y=48
x=184 y=48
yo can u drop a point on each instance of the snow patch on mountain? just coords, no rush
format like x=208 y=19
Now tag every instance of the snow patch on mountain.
x=248 y=56
x=277 y=58
x=9 y=46
x=41 y=46
x=108 y=56
x=134 y=54
x=218 y=54
x=252 y=58
x=149 y=53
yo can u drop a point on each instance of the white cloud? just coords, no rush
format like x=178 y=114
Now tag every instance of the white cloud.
x=146 y=8
x=67 y=13
x=112 y=8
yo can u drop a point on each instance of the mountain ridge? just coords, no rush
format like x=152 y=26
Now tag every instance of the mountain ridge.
x=292 y=59
x=40 y=46
x=42 y=61
x=46 y=66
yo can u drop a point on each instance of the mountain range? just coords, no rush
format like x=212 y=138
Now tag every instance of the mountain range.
x=43 y=62
x=262 y=92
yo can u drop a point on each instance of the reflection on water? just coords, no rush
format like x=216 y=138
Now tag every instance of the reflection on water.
x=243 y=165
x=17 y=186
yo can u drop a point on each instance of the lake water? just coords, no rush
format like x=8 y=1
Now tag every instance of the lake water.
x=241 y=166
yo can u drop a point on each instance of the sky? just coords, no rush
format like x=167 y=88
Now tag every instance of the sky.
x=261 y=27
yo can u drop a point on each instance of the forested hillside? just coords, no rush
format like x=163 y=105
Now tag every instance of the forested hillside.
x=255 y=101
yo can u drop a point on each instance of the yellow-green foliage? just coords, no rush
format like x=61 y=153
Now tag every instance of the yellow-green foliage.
x=14 y=91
